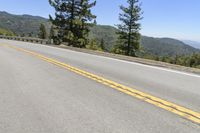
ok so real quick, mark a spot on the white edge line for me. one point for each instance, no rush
(129, 62)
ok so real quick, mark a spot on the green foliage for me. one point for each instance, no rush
(119, 49)
(22, 24)
(6, 32)
(54, 39)
(107, 33)
(30, 34)
(42, 32)
(73, 19)
(192, 61)
(94, 45)
(102, 44)
(129, 36)
(52, 33)
(187, 60)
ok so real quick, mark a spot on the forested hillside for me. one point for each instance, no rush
(21, 24)
(166, 47)
(6, 32)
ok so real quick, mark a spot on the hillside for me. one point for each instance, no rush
(25, 24)
(107, 33)
(150, 45)
(166, 46)
(21, 24)
(6, 32)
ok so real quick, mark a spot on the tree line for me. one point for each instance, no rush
(73, 19)
(186, 60)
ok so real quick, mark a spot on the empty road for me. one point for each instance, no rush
(40, 93)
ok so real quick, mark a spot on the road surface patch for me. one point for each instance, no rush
(169, 106)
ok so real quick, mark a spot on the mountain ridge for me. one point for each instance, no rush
(21, 24)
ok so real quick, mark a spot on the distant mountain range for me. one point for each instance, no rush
(194, 44)
(26, 24)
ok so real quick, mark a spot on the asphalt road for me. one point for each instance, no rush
(39, 97)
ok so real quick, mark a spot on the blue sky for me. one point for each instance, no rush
(162, 18)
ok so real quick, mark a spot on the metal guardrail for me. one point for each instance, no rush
(26, 39)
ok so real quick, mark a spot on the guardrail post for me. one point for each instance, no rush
(24, 39)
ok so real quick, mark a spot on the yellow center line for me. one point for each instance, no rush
(172, 107)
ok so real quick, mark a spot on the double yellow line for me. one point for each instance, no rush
(174, 108)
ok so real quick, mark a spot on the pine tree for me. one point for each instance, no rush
(51, 33)
(23, 35)
(102, 44)
(73, 19)
(42, 33)
(52, 36)
(129, 36)
(30, 34)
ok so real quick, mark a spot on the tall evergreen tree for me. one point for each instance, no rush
(42, 33)
(72, 19)
(51, 33)
(30, 34)
(52, 36)
(129, 36)
(102, 44)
